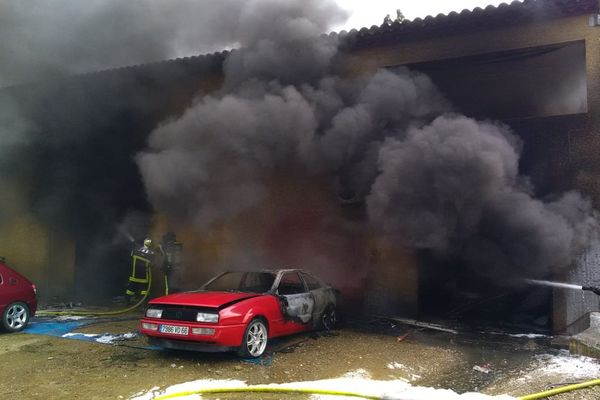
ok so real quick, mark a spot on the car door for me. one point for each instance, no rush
(297, 301)
(9, 287)
(3, 290)
(323, 295)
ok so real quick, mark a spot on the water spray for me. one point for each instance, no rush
(595, 290)
(126, 233)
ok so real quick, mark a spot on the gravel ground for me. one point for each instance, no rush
(45, 367)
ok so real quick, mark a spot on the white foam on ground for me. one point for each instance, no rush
(190, 386)
(411, 373)
(563, 367)
(518, 335)
(71, 317)
(109, 339)
(354, 381)
(90, 335)
(529, 335)
(105, 338)
(566, 365)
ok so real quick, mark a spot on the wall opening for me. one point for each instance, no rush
(449, 292)
(533, 82)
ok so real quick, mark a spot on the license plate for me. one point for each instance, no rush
(176, 330)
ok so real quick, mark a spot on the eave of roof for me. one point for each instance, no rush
(192, 63)
(467, 20)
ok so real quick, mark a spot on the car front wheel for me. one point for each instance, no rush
(328, 318)
(255, 339)
(15, 317)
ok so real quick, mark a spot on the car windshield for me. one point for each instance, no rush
(251, 282)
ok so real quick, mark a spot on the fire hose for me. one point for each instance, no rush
(595, 290)
(114, 312)
(266, 389)
(271, 389)
(559, 390)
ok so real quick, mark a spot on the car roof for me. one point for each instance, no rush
(271, 271)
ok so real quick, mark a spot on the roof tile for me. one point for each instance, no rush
(503, 14)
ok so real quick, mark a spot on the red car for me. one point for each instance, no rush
(241, 311)
(18, 300)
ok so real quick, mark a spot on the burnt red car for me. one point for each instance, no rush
(241, 311)
(18, 301)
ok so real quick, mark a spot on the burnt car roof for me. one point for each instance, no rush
(273, 271)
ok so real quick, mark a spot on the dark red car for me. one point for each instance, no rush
(18, 301)
(241, 311)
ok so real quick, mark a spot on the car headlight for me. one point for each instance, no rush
(154, 313)
(207, 317)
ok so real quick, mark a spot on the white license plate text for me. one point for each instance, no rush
(176, 330)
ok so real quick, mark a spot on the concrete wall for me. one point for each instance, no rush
(43, 255)
(74, 247)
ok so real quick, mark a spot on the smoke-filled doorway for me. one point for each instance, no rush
(450, 292)
(540, 92)
(522, 83)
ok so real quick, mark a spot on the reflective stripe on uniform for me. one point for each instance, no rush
(129, 292)
(142, 259)
(134, 268)
(138, 280)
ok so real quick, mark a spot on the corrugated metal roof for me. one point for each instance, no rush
(479, 18)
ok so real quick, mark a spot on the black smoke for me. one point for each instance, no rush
(453, 186)
(429, 177)
(71, 140)
(199, 166)
(45, 39)
(81, 143)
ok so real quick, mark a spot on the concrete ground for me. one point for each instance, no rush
(45, 367)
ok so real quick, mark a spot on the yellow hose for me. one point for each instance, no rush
(266, 389)
(115, 312)
(269, 389)
(559, 390)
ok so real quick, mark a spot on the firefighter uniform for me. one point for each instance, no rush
(141, 262)
(171, 251)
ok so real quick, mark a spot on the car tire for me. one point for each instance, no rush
(328, 318)
(15, 317)
(254, 341)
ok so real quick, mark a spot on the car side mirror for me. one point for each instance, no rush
(283, 300)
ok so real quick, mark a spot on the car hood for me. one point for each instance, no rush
(204, 299)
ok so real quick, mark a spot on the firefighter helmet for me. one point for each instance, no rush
(147, 242)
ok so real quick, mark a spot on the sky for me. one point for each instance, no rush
(372, 12)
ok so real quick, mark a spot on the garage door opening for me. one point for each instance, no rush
(451, 293)
(539, 81)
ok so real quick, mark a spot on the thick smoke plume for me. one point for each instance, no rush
(453, 186)
(201, 165)
(430, 177)
(43, 39)
(70, 141)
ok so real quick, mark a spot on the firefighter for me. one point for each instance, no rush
(171, 251)
(142, 259)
